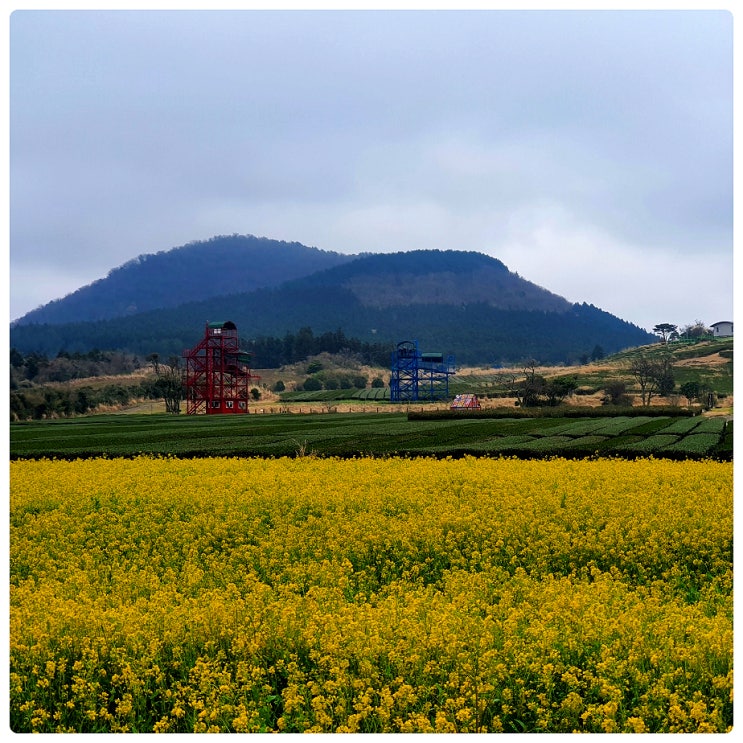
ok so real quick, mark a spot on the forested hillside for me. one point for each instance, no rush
(462, 303)
(193, 272)
(450, 277)
(474, 333)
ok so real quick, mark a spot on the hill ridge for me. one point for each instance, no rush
(171, 277)
(461, 302)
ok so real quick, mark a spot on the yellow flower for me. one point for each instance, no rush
(378, 595)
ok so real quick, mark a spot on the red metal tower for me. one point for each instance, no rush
(218, 372)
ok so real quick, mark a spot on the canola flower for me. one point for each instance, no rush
(370, 595)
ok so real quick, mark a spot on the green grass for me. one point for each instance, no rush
(368, 434)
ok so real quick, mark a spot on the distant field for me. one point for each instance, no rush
(371, 434)
(369, 394)
(709, 363)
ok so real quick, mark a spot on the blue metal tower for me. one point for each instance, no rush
(419, 376)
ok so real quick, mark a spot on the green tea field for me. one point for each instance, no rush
(372, 434)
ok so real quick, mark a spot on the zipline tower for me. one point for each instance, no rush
(217, 372)
(419, 376)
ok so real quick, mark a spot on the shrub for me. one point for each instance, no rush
(650, 444)
(616, 393)
(694, 444)
(711, 425)
(681, 426)
(618, 426)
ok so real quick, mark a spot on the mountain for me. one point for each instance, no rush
(458, 302)
(196, 271)
(424, 277)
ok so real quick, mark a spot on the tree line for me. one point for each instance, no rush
(652, 375)
(43, 387)
(271, 352)
(669, 332)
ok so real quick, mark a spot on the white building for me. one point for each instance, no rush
(722, 329)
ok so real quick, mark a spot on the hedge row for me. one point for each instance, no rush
(571, 411)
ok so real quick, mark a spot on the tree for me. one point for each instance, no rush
(666, 381)
(653, 374)
(557, 389)
(644, 374)
(16, 358)
(691, 391)
(154, 359)
(82, 401)
(32, 366)
(304, 343)
(345, 382)
(169, 383)
(312, 384)
(695, 331)
(598, 353)
(616, 393)
(666, 330)
(359, 381)
(534, 390)
(526, 391)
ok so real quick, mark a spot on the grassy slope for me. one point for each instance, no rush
(706, 361)
(701, 362)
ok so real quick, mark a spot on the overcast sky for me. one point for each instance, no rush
(590, 151)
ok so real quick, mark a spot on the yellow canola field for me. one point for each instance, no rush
(370, 595)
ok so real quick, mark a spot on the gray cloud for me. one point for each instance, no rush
(590, 151)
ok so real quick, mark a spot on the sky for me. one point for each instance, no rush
(590, 150)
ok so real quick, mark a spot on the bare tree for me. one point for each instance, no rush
(170, 382)
(527, 390)
(654, 375)
(154, 359)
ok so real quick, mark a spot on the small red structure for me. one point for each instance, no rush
(465, 402)
(218, 372)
